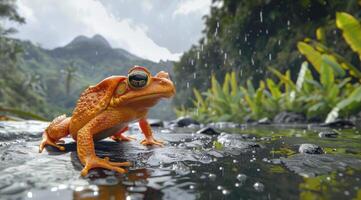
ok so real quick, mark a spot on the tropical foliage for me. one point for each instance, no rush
(248, 36)
(327, 90)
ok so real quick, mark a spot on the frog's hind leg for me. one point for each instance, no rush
(119, 136)
(85, 145)
(57, 129)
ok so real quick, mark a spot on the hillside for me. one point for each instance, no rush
(59, 75)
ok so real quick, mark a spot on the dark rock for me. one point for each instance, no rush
(208, 131)
(289, 117)
(340, 123)
(185, 121)
(310, 149)
(309, 165)
(155, 122)
(328, 134)
(356, 119)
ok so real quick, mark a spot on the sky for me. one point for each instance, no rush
(152, 29)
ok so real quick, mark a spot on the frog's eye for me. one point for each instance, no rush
(137, 79)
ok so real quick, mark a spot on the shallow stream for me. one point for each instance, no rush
(242, 162)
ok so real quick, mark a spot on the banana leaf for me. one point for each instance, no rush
(351, 30)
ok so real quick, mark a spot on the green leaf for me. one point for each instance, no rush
(284, 78)
(351, 30)
(321, 34)
(234, 87)
(311, 54)
(355, 96)
(331, 61)
(275, 90)
(326, 76)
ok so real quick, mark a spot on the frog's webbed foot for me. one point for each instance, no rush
(96, 162)
(151, 141)
(47, 141)
(121, 137)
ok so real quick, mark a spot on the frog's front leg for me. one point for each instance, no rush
(148, 134)
(85, 146)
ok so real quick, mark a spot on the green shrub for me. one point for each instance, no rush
(329, 90)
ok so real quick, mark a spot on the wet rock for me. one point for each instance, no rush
(241, 178)
(222, 125)
(155, 122)
(180, 168)
(340, 123)
(309, 165)
(356, 119)
(208, 131)
(12, 130)
(328, 134)
(235, 144)
(185, 121)
(259, 187)
(289, 117)
(264, 121)
(14, 189)
(310, 149)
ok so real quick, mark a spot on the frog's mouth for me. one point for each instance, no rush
(167, 94)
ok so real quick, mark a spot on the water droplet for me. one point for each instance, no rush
(237, 185)
(221, 168)
(258, 170)
(225, 192)
(235, 161)
(212, 176)
(259, 187)
(261, 16)
(242, 178)
(191, 187)
(193, 171)
(219, 187)
(29, 195)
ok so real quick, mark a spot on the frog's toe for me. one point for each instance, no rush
(123, 138)
(47, 141)
(119, 164)
(147, 142)
(105, 164)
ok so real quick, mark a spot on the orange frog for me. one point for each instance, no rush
(105, 110)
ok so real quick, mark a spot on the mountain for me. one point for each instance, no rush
(61, 74)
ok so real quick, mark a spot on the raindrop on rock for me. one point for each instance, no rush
(259, 187)
(242, 178)
(212, 176)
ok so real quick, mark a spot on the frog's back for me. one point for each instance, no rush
(93, 101)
